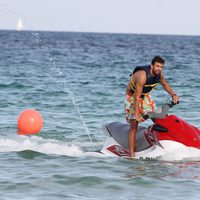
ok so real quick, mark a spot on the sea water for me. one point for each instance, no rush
(77, 82)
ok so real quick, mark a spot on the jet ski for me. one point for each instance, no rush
(168, 133)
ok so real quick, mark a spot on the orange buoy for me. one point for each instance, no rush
(29, 122)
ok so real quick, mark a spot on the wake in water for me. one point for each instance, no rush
(38, 144)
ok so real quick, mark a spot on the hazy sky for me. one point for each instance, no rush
(122, 16)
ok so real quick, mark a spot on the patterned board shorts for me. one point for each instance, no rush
(146, 105)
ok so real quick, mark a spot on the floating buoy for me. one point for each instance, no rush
(29, 122)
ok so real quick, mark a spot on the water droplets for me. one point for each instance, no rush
(61, 78)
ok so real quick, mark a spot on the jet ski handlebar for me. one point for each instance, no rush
(162, 114)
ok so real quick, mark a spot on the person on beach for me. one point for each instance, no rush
(137, 99)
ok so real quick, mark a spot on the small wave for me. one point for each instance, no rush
(14, 85)
(38, 144)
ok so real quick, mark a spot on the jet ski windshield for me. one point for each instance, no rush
(162, 114)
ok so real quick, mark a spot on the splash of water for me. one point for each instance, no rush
(43, 46)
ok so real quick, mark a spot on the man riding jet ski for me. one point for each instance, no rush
(166, 134)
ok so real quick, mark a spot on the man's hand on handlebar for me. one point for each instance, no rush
(175, 98)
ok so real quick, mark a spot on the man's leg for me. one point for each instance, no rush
(132, 132)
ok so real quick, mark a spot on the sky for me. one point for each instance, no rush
(179, 17)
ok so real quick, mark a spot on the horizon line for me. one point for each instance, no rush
(102, 32)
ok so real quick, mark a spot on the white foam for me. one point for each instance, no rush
(38, 144)
(182, 154)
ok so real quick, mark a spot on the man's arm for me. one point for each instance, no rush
(167, 87)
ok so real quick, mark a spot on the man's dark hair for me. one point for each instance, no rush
(158, 59)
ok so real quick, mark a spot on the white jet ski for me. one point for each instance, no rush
(167, 134)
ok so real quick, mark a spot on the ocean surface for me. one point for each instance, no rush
(77, 82)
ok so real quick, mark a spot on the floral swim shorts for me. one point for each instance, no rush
(146, 105)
